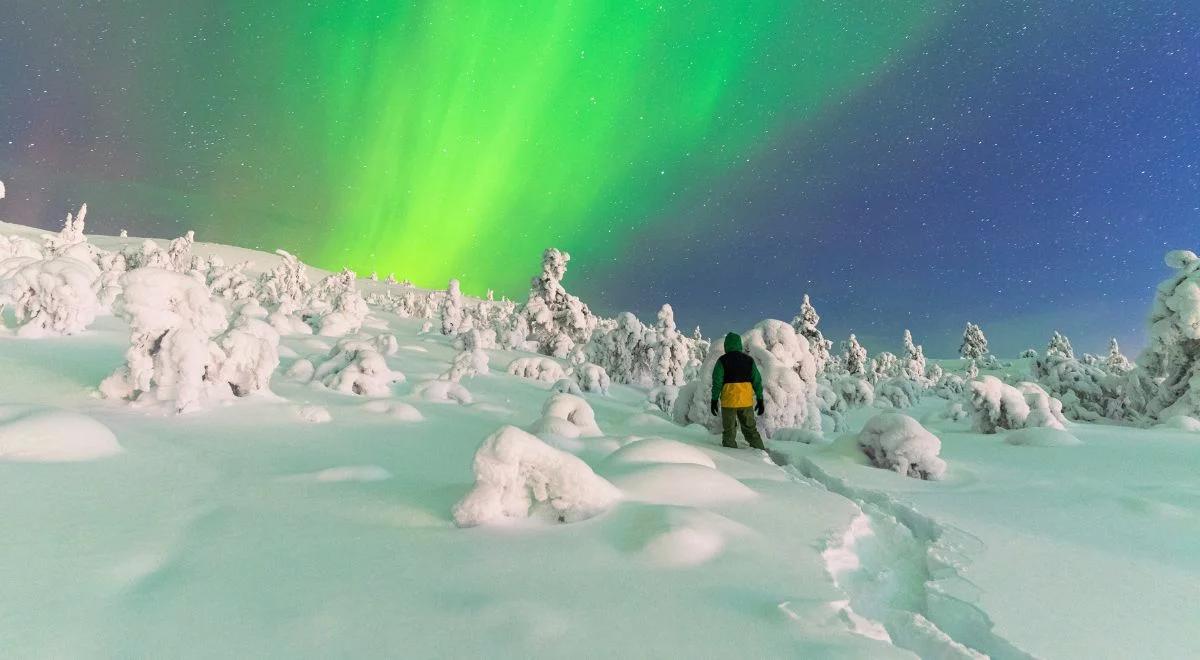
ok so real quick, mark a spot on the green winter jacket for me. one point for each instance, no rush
(736, 381)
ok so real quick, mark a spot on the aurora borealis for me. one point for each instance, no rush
(910, 164)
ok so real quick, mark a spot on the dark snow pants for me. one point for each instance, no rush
(731, 419)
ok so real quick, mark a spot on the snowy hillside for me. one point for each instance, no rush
(204, 459)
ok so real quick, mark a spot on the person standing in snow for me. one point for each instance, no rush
(738, 394)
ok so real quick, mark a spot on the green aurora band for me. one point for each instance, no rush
(461, 138)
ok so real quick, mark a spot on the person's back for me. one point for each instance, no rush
(737, 393)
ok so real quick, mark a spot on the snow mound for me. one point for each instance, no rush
(681, 483)
(353, 473)
(1182, 423)
(48, 435)
(314, 414)
(801, 435)
(443, 391)
(675, 537)
(660, 450)
(1042, 437)
(568, 416)
(517, 475)
(397, 410)
(537, 368)
(897, 442)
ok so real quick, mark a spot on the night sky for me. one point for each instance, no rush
(909, 164)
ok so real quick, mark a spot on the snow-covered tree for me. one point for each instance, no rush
(1029, 353)
(855, 357)
(558, 321)
(451, 310)
(972, 370)
(1060, 346)
(340, 309)
(172, 357)
(1116, 362)
(671, 352)
(974, 344)
(626, 350)
(471, 361)
(883, 366)
(285, 287)
(230, 282)
(355, 365)
(805, 324)
(71, 235)
(53, 296)
(914, 360)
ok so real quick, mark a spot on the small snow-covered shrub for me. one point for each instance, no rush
(52, 296)
(897, 442)
(443, 391)
(516, 474)
(250, 354)
(314, 414)
(285, 288)
(853, 391)
(566, 386)
(230, 282)
(355, 366)
(1044, 410)
(997, 405)
(342, 308)
(567, 416)
(900, 392)
(471, 362)
(537, 368)
(592, 378)
(950, 386)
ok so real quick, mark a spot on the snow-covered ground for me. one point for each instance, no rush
(303, 522)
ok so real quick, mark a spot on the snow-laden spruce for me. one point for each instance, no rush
(1166, 383)
(451, 310)
(974, 343)
(805, 324)
(517, 475)
(854, 357)
(558, 321)
(897, 442)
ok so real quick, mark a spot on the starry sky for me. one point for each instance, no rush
(909, 164)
